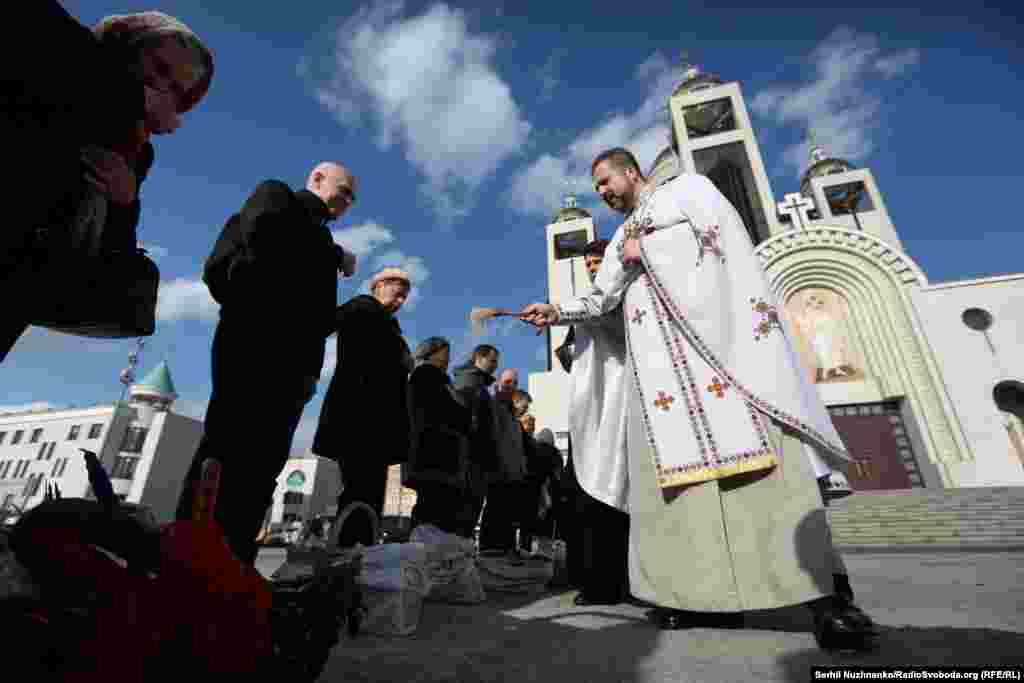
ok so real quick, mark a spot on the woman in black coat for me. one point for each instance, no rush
(364, 422)
(80, 107)
(439, 467)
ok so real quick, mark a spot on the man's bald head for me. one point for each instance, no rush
(508, 382)
(335, 185)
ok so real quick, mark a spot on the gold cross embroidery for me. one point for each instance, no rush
(718, 387)
(664, 401)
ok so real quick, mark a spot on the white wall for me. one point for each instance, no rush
(164, 462)
(971, 370)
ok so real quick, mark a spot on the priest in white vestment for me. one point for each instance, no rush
(726, 515)
(597, 421)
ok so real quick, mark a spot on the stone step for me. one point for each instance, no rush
(954, 518)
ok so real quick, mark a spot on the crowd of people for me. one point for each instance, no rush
(696, 439)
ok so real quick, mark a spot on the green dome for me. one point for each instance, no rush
(158, 380)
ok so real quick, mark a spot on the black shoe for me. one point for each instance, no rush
(844, 591)
(843, 627)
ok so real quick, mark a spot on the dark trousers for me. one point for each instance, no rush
(604, 537)
(445, 507)
(365, 480)
(250, 421)
(502, 515)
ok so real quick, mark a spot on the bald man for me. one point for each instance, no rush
(274, 273)
(503, 511)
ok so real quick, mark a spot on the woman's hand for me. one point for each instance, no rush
(109, 173)
(161, 111)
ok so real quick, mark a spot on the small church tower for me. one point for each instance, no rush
(154, 394)
(844, 196)
(712, 135)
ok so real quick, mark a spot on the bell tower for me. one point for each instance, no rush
(712, 135)
(571, 229)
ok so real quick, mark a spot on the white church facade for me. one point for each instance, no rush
(924, 381)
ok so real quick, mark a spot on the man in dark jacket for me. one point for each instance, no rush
(274, 272)
(364, 421)
(471, 381)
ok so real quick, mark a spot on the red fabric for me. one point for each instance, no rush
(205, 614)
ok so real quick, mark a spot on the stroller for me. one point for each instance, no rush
(114, 595)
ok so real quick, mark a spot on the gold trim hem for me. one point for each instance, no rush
(761, 462)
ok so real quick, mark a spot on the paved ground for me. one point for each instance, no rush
(953, 609)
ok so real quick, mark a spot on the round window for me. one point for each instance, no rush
(977, 319)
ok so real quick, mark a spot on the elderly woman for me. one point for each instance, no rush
(364, 422)
(78, 116)
(439, 465)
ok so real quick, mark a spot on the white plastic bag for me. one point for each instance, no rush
(450, 566)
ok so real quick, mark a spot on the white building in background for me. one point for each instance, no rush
(306, 488)
(145, 448)
(924, 381)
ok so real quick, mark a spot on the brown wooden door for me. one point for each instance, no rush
(874, 436)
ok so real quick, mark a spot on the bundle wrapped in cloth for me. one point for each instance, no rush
(450, 566)
(514, 573)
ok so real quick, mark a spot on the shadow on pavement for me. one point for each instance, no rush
(508, 638)
(914, 646)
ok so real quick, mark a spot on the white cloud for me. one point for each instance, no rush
(185, 299)
(537, 188)
(655, 64)
(428, 84)
(415, 266)
(898, 64)
(155, 251)
(363, 238)
(30, 407)
(837, 103)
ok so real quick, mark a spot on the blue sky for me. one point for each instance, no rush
(463, 121)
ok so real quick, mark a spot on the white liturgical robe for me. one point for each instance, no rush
(598, 410)
(710, 356)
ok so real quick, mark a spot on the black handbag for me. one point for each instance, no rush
(87, 289)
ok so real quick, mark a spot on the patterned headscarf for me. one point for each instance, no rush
(131, 29)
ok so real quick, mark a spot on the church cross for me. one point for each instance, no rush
(797, 207)
(664, 401)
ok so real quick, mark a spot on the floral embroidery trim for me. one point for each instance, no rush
(684, 380)
(769, 318)
(707, 242)
(717, 387)
(702, 347)
(664, 401)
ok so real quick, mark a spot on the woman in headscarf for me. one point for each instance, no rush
(438, 467)
(80, 108)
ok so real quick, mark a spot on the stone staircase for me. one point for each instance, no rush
(984, 519)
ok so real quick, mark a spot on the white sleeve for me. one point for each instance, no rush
(609, 288)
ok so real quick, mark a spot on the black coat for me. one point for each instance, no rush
(274, 270)
(471, 389)
(365, 412)
(439, 450)
(61, 90)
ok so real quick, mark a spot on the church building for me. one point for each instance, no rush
(923, 380)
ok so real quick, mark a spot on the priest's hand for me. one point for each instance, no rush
(631, 252)
(539, 315)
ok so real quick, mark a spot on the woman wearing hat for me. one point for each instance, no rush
(364, 422)
(80, 107)
(439, 466)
